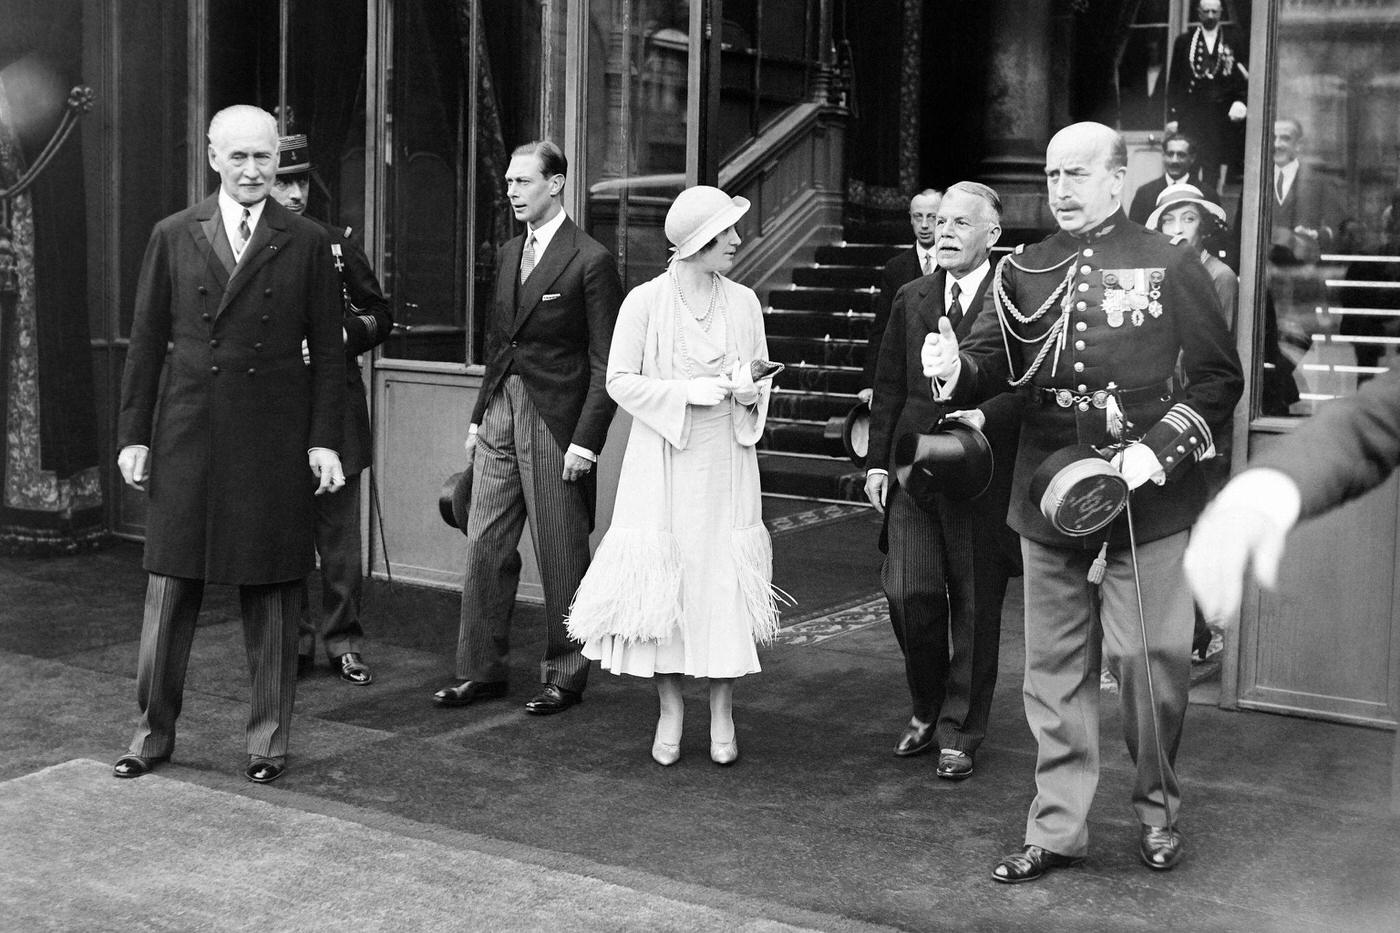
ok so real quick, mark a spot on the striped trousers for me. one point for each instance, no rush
(270, 613)
(517, 475)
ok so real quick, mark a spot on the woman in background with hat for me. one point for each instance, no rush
(681, 583)
(1182, 210)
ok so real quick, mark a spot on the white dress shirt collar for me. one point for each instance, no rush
(967, 285)
(545, 232)
(927, 260)
(1289, 173)
(232, 214)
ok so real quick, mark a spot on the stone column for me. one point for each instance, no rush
(1018, 104)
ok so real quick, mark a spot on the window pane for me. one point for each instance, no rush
(637, 98)
(1331, 315)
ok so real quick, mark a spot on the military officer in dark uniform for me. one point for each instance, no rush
(365, 323)
(1103, 304)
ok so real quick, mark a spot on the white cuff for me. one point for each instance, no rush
(583, 452)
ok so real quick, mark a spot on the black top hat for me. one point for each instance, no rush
(855, 434)
(1077, 490)
(455, 500)
(295, 155)
(953, 459)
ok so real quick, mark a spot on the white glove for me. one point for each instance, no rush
(1246, 525)
(325, 466)
(865, 395)
(133, 461)
(741, 384)
(1138, 464)
(706, 391)
(939, 355)
(1238, 111)
(972, 416)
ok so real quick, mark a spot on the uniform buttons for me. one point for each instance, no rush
(1180, 449)
(1079, 345)
(202, 290)
(266, 318)
(514, 344)
(257, 346)
(1082, 388)
(214, 370)
(1083, 286)
(1171, 459)
(1083, 406)
(213, 343)
(267, 291)
(1081, 306)
(1088, 252)
(205, 315)
(1085, 270)
(1193, 440)
(1081, 326)
(251, 370)
(1079, 367)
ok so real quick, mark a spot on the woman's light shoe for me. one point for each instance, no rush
(665, 755)
(724, 753)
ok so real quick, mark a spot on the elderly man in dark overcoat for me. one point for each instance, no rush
(1092, 324)
(228, 291)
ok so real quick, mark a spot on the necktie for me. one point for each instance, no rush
(928, 264)
(527, 259)
(954, 305)
(1278, 184)
(244, 234)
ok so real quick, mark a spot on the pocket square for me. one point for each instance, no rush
(551, 297)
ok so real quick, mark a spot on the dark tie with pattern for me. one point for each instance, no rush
(1278, 185)
(527, 259)
(954, 305)
(928, 264)
(244, 234)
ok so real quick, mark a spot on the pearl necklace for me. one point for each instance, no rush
(706, 319)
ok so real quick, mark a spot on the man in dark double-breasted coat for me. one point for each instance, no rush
(236, 439)
(949, 560)
(1092, 325)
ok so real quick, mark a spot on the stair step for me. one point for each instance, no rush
(823, 276)
(858, 254)
(780, 322)
(809, 406)
(817, 351)
(814, 477)
(804, 376)
(824, 299)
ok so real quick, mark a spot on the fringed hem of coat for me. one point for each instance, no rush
(632, 589)
(753, 559)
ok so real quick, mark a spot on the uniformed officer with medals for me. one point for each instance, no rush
(1090, 325)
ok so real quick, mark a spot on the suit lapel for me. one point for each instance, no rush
(556, 256)
(930, 303)
(268, 238)
(974, 307)
(205, 230)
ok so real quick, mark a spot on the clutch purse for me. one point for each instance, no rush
(764, 369)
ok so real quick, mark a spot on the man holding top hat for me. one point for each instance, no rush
(949, 560)
(365, 323)
(1089, 326)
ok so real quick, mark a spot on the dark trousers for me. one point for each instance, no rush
(338, 545)
(945, 581)
(517, 475)
(1062, 680)
(167, 631)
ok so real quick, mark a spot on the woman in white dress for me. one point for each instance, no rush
(681, 583)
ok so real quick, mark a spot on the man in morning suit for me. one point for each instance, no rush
(903, 268)
(1206, 89)
(233, 286)
(1179, 168)
(1102, 306)
(539, 423)
(948, 563)
(365, 323)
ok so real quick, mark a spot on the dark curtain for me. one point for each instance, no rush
(493, 153)
(1100, 36)
(327, 104)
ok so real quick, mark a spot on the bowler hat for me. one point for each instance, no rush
(953, 459)
(698, 215)
(294, 155)
(1077, 490)
(455, 499)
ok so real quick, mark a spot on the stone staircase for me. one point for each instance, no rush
(818, 327)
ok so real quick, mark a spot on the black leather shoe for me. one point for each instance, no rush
(1029, 864)
(263, 771)
(133, 766)
(552, 699)
(1161, 847)
(954, 765)
(305, 665)
(915, 741)
(469, 692)
(353, 669)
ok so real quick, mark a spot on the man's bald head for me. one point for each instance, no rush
(1085, 165)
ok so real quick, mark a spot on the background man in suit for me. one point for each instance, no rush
(234, 285)
(1206, 90)
(540, 421)
(365, 324)
(902, 268)
(945, 576)
(1307, 205)
(1103, 304)
(1179, 168)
